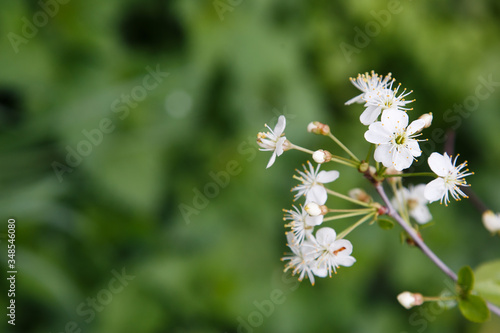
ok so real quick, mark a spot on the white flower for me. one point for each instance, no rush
(302, 224)
(383, 99)
(413, 198)
(302, 258)
(331, 253)
(450, 177)
(491, 221)
(409, 300)
(312, 183)
(395, 141)
(274, 141)
(368, 84)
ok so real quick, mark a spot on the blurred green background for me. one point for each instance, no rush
(233, 65)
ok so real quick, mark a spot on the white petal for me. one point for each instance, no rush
(344, 246)
(347, 261)
(435, 190)
(414, 147)
(325, 236)
(279, 146)
(383, 154)
(280, 126)
(377, 133)
(325, 177)
(415, 126)
(418, 193)
(314, 220)
(402, 159)
(320, 271)
(395, 120)
(370, 115)
(421, 214)
(357, 99)
(439, 164)
(317, 194)
(271, 160)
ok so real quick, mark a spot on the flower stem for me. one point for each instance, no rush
(350, 210)
(437, 299)
(341, 160)
(341, 145)
(343, 216)
(354, 226)
(345, 197)
(421, 244)
(305, 150)
(370, 153)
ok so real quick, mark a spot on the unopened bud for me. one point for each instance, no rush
(427, 118)
(322, 156)
(491, 221)
(363, 167)
(318, 128)
(360, 195)
(313, 209)
(409, 300)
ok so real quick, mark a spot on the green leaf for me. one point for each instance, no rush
(385, 224)
(474, 309)
(488, 281)
(465, 280)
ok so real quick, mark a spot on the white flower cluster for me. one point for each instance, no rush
(318, 253)
(395, 141)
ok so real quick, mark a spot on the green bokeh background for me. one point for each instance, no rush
(229, 73)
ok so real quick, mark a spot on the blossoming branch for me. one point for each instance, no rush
(317, 250)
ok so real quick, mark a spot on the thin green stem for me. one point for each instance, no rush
(341, 145)
(345, 197)
(437, 299)
(415, 174)
(354, 226)
(305, 150)
(350, 210)
(370, 153)
(342, 216)
(345, 162)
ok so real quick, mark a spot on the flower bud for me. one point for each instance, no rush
(491, 221)
(427, 118)
(318, 128)
(360, 195)
(409, 300)
(313, 209)
(322, 156)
